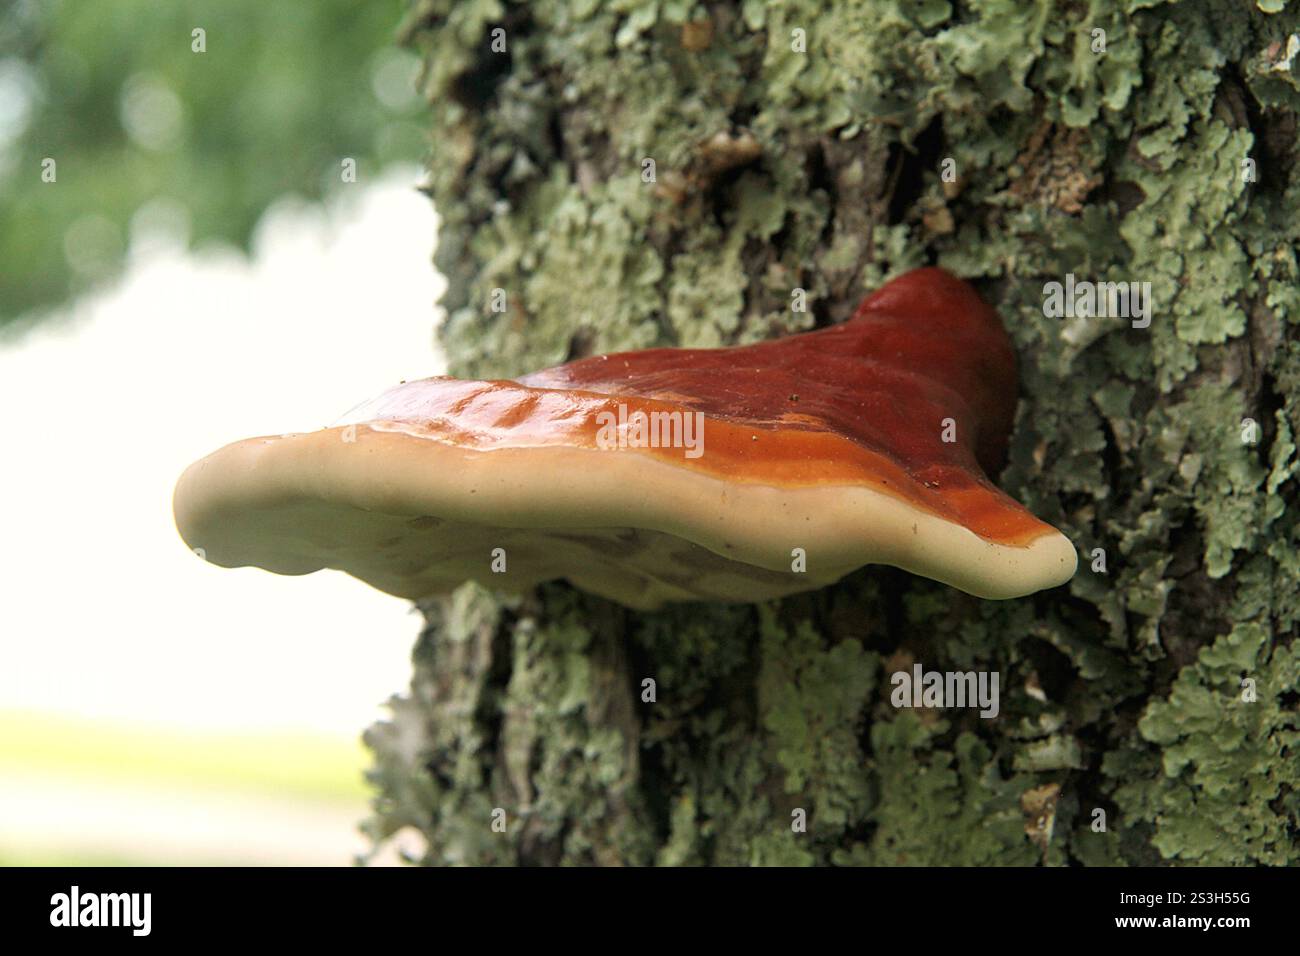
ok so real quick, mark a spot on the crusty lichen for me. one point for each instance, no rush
(1123, 736)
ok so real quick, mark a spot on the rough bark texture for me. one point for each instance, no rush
(821, 170)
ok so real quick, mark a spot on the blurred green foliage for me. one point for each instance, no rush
(147, 131)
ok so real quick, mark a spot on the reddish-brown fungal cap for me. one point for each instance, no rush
(865, 442)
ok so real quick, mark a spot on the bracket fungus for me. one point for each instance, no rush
(731, 474)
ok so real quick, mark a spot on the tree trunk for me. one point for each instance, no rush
(1149, 708)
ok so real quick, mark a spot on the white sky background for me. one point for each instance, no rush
(106, 613)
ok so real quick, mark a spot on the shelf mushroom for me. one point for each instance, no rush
(730, 474)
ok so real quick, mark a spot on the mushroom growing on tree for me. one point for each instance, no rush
(730, 474)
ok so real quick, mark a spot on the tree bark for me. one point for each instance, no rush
(1148, 709)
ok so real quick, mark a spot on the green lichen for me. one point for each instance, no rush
(1228, 786)
(956, 809)
(1169, 158)
(812, 700)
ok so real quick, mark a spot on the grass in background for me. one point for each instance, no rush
(293, 765)
(275, 797)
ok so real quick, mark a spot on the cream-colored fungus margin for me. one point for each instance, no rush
(415, 516)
